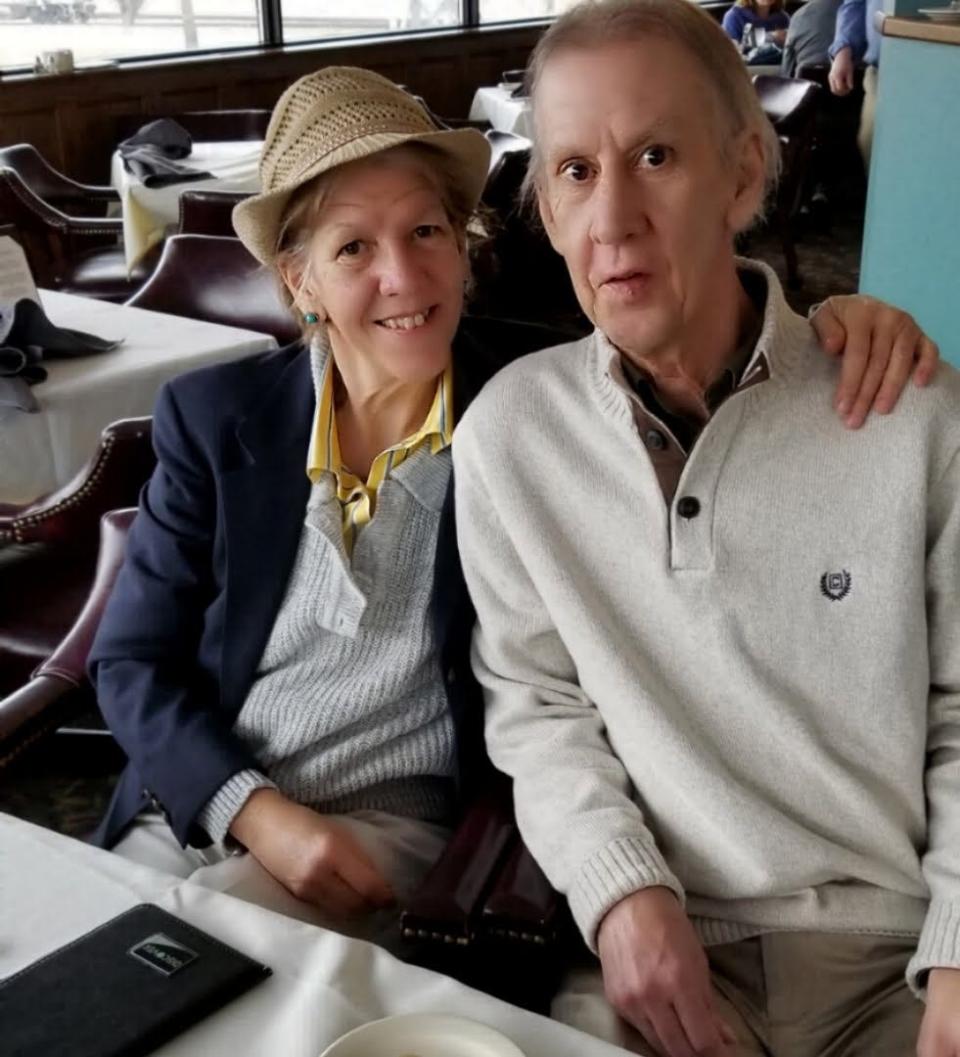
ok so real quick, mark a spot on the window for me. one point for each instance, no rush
(99, 30)
(318, 19)
(514, 10)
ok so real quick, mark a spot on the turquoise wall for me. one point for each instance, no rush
(911, 247)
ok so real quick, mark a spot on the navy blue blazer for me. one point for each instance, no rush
(207, 563)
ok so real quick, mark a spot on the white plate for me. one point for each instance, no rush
(941, 14)
(423, 1035)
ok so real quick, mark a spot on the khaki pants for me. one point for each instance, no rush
(403, 849)
(868, 115)
(787, 994)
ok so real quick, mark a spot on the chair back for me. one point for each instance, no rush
(208, 126)
(216, 279)
(791, 105)
(208, 213)
(519, 275)
(69, 660)
(51, 239)
(67, 195)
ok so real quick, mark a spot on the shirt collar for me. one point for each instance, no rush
(323, 454)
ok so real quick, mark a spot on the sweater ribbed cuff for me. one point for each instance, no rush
(623, 867)
(224, 806)
(939, 944)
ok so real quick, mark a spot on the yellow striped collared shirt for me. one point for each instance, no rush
(358, 498)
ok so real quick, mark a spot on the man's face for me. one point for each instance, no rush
(634, 191)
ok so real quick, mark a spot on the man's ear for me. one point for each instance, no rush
(750, 182)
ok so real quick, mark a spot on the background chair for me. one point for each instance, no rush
(208, 213)
(209, 126)
(48, 548)
(791, 106)
(218, 280)
(75, 199)
(519, 275)
(77, 255)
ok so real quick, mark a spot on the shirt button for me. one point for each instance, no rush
(688, 506)
(656, 441)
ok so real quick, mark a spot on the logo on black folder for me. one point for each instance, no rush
(163, 954)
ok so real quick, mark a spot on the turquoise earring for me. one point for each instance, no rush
(311, 317)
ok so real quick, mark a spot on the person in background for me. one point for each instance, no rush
(809, 36)
(767, 15)
(717, 634)
(857, 42)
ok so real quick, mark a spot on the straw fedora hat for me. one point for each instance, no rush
(336, 115)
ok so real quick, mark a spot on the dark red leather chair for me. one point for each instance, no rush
(69, 196)
(210, 126)
(59, 690)
(791, 106)
(208, 213)
(78, 255)
(217, 279)
(48, 549)
(519, 275)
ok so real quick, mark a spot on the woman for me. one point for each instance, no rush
(285, 656)
(767, 15)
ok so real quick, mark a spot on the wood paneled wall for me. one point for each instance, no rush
(72, 119)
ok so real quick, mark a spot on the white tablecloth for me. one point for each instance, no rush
(149, 211)
(53, 889)
(503, 112)
(43, 450)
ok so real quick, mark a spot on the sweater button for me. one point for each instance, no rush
(656, 441)
(688, 507)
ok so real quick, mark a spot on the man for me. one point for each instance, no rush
(809, 35)
(716, 631)
(857, 39)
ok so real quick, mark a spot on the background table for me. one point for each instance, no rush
(149, 211)
(54, 889)
(502, 111)
(42, 450)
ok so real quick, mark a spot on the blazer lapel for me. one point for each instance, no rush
(265, 499)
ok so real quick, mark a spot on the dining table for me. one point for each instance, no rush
(42, 450)
(149, 213)
(54, 889)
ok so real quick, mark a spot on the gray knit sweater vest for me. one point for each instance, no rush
(348, 709)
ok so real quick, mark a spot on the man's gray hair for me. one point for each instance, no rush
(594, 23)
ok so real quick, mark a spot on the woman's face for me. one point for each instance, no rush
(387, 269)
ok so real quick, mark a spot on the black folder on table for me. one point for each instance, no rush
(121, 990)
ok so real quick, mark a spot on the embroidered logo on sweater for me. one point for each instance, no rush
(835, 586)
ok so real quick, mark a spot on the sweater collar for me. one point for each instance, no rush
(776, 348)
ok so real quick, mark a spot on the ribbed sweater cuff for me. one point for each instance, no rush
(224, 806)
(938, 946)
(621, 868)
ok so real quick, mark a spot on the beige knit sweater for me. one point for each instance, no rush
(758, 706)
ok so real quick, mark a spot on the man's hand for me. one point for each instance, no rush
(656, 976)
(315, 859)
(841, 72)
(880, 346)
(940, 1030)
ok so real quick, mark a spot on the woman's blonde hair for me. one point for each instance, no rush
(593, 23)
(298, 223)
